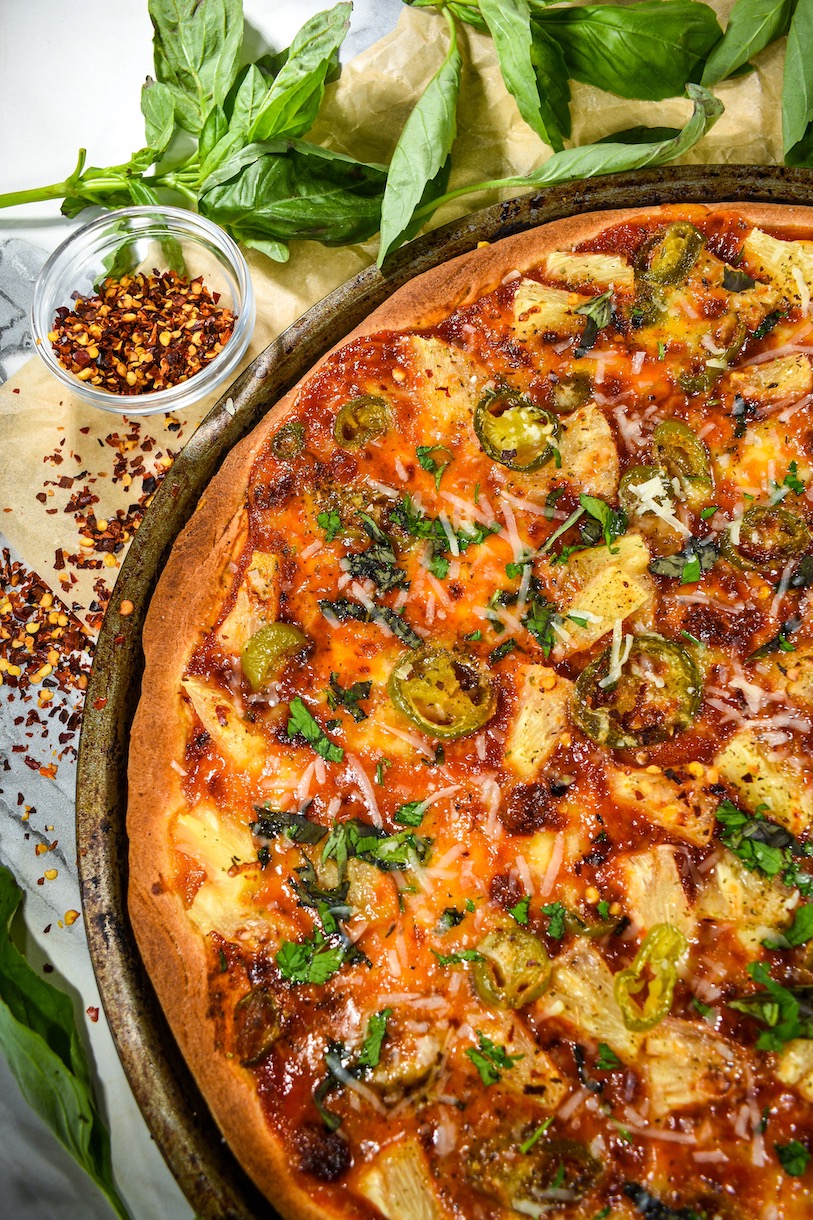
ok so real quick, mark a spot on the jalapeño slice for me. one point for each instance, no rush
(514, 970)
(668, 257)
(770, 536)
(661, 951)
(656, 525)
(684, 457)
(570, 392)
(447, 694)
(264, 653)
(288, 441)
(361, 420)
(656, 696)
(515, 431)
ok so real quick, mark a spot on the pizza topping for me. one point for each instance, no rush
(662, 949)
(657, 694)
(512, 968)
(362, 420)
(446, 694)
(267, 650)
(515, 431)
(256, 1026)
(767, 538)
(686, 459)
(668, 256)
(288, 441)
(546, 1178)
(647, 494)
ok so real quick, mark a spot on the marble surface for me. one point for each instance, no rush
(70, 74)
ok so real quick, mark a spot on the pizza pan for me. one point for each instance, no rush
(172, 1105)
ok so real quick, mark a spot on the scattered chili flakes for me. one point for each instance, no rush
(142, 332)
(93, 1013)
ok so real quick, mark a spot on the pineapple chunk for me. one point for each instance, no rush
(681, 805)
(593, 271)
(449, 383)
(589, 458)
(582, 993)
(756, 905)
(539, 310)
(765, 776)
(602, 586)
(215, 709)
(785, 379)
(534, 1076)
(398, 1183)
(215, 843)
(794, 1066)
(688, 1064)
(781, 262)
(539, 722)
(257, 603)
(653, 891)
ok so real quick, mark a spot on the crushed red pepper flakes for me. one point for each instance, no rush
(142, 333)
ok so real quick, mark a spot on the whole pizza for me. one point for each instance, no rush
(470, 786)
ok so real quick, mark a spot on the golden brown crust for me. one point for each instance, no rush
(184, 600)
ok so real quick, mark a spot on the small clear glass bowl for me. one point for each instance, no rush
(151, 236)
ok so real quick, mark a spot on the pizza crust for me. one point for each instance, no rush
(185, 600)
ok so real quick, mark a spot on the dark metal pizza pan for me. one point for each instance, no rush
(175, 1112)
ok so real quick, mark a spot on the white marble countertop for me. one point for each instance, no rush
(70, 75)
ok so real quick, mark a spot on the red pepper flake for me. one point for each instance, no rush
(93, 1013)
(99, 704)
(142, 333)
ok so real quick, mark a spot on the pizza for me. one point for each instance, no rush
(470, 785)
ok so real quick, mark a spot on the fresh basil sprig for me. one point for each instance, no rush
(40, 1040)
(752, 26)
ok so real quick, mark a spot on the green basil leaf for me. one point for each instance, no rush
(752, 26)
(277, 250)
(40, 1040)
(552, 80)
(197, 49)
(158, 108)
(281, 190)
(291, 104)
(246, 104)
(509, 23)
(645, 50)
(214, 129)
(797, 83)
(640, 135)
(593, 159)
(422, 149)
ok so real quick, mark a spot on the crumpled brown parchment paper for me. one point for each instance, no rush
(56, 452)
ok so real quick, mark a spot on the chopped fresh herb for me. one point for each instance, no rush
(514, 571)
(439, 566)
(390, 853)
(469, 904)
(431, 464)
(736, 281)
(379, 562)
(455, 959)
(792, 480)
(521, 910)
(301, 722)
(491, 1060)
(661, 350)
(647, 1204)
(380, 769)
(704, 1009)
(502, 650)
(557, 915)
(604, 1213)
(558, 1178)
(603, 908)
(474, 636)
(551, 499)
(331, 523)
(765, 846)
(793, 1158)
(418, 524)
(799, 932)
(399, 627)
(741, 411)
(578, 619)
(687, 635)
(787, 1013)
(476, 493)
(607, 1060)
(539, 621)
(450, 918)
(274, 822)
(772, 320)
(802, 578)
(376, 1033)
(410, 814)
(223, 962)
(562, 529)
(778, 642)
(311, 961)
(585, 1080)
(536, 1136)
(438, 760)
(698, 556)
(348, 697)
(343, 610)
(613, 521)
(707, 513)
(599, 312)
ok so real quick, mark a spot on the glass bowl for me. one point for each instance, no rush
(141, 239)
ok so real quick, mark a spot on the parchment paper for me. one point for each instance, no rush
(363, 115)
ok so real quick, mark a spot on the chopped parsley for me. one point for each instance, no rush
(792, 480)
(370, 1053)
(557, 915)
(536, 1136)
(787, 1013)
(301, 722)
(311, 961)
(410, 814)
(455, 959)
(427, 462)
(439, 566)
(521, 911)
(380, 769)
(348, 697)
(603, 908)
(491, 1060)
(707, 513)
(799, 932)
(502, 650)
(607, 1060)
(793, 1158)
(765, 846)
(514, 571)
(419, 524)
(331, 523)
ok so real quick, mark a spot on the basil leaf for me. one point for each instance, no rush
(41, 1042)
(787, 1013)
(197, 49)
(509, 23)
(553, 85)
(752, 26)
(797, 82)
(640, 135)
(411, 814)
(290, 189)
(698, 556)
(274, 822)
(158, 108)
(310, 961)
(736, 281)
(399, 627)
(652, 1208)
(292, 103)
(422, 149)
(491, 1059)
(607, 1060)
(793, 1157)
(455, 959)
(799, 932)
(348, 697)
(214, 129)
(646, 50)
(301, 722)
(376, 1033)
